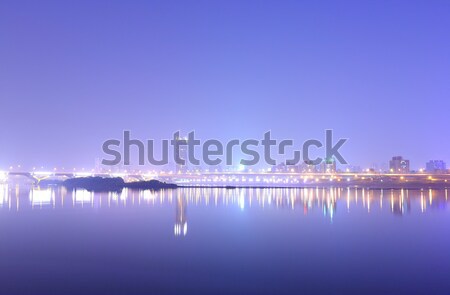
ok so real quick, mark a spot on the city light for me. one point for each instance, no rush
(3, 175)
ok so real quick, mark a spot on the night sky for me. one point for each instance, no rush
(76, 73)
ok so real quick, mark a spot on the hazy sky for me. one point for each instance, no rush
(75, 73)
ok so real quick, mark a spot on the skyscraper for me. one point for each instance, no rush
(436, 166)
(181, 150)
(399, 165)
(328, 166)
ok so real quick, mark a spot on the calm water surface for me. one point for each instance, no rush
(219, 241)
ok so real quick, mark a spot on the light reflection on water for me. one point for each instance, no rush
(305, 200)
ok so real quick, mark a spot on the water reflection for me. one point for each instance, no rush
(42, 197)
(327, 201)
(180, 227)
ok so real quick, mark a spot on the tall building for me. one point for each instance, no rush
(181, 149)
(282, 167)
(399, 165)
(98, 165)
(328, 166)
(352, 168)
(307, 167)
(436, 166)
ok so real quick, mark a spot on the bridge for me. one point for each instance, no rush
(233, 178)
(37, 176)
(303, 179)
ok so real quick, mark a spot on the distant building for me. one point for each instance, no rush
(307, 167)
(282, 167)
(354, 169)
(436, 166)
(215, 168)
(399, 165)
(182, 151)
(97, 165)
(328, 166)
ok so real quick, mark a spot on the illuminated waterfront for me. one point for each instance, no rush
(267, 240)
(18, 197)
(249, 178)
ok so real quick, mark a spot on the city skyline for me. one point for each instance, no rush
(432, 166)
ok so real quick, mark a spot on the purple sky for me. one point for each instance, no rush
(75, 73)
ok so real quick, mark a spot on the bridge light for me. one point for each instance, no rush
(3, 175)
(42, 173)
(82, 174)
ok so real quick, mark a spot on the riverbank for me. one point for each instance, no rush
(114, 184)
(117, 184)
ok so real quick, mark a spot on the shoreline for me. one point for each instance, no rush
(322, 186)
(118, 184)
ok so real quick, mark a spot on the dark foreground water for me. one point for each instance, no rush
(218, 241)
